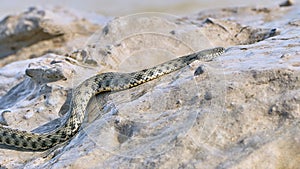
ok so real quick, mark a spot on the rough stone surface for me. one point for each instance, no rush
(36, 32)
(241, 110)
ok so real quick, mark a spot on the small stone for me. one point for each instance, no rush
(208, 95)
(199, 71)
(28, 115)
(285, 56)
(273, 109)
(40, 109)
(286, 3)
(173, 32)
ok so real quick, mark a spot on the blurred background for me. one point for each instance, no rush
(121, 7)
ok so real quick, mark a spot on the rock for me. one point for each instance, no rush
(24, 30)
(242, 111)
(36, 32)
(287, 3)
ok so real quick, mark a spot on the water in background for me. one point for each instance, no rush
(120, 7)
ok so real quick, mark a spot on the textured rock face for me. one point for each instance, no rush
(241, 110)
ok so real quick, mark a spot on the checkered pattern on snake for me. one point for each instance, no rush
(99, 83)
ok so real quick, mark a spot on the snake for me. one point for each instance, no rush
(99, 83)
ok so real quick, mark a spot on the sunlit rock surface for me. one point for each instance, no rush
(241, 110)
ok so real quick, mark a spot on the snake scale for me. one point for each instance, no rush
(105, 82)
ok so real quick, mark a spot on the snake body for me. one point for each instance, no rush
(105, 82)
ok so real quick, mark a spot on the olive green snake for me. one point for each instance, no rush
(105, 82)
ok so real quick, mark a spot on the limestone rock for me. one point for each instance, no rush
(242, 110)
